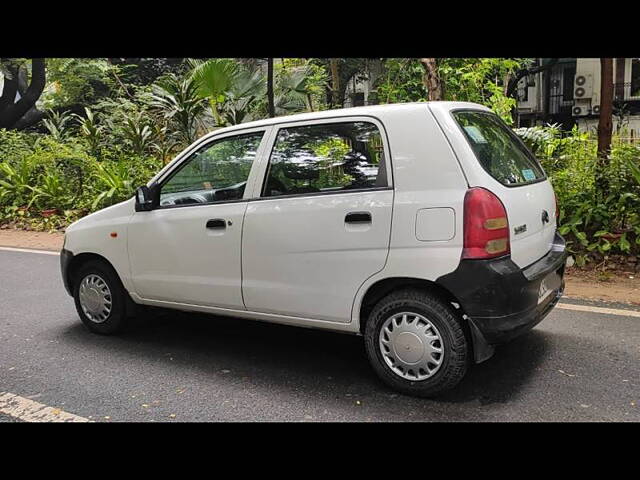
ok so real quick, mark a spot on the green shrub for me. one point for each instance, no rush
(14, 145)
(595, 225)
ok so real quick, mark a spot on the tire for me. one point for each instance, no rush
(438, 320)
(101, 323)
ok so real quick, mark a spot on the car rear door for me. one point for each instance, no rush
(320, 223)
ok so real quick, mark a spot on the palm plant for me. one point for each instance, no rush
(15, 182)
(90, 129)
(165, 142)
(56, 124)
(179, 102)
(114, 182)
(137, 133)
(213, 79)
(246, 89)
(51, 192)
(293, 92)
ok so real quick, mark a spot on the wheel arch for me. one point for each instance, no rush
(81, 259)
(480, 349)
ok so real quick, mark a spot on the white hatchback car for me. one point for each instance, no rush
(429, 228)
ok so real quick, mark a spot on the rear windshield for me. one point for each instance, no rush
(498, 149)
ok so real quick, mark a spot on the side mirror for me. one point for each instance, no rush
(144, 199)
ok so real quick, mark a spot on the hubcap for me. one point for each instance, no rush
(411, 346)
(95, 298)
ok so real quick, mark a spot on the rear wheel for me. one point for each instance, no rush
(100, 298)
(416, 343)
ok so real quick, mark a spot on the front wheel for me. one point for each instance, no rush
(100, 298)
(416, 343)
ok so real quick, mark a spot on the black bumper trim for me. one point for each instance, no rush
(500, 298)
(65, 259)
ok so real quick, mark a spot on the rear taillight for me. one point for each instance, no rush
(486, 228)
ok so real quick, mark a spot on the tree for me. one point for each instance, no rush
(478, 80)
(11, 111)
(432, 79)
(335, 83)
(605, 123)
(272, 108)
(212, 79)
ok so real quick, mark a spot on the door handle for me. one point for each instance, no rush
(358, 217)
(216, 223)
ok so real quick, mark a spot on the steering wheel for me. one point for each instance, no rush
(187, 199)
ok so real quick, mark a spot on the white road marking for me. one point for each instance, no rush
(607, 311)
(26, 250)
(30, 411)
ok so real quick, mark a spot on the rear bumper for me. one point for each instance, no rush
(502, 299)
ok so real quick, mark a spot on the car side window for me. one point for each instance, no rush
(329, 157)
(216, 172)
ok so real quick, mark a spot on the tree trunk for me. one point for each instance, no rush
(9, 90)
(605, 122)
(335, 82)
(13, 112)
(431, 79)
(272, 109)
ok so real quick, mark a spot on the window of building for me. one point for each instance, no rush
(635, 77)
(568, 76)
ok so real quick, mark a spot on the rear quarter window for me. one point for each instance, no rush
(499, 151)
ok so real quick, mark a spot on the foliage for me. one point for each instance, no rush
(57, 124)
(479, 80)
(135, 114)
(51, 192)
(178, 101)
(15, 144)
(114, 182)
(77, 81)
(308, 80)
(247, 87)
(213, 79)
(15, 182)
(594, 225)
(401, 81)
(145, 71)
(90, 130)
(138, 133)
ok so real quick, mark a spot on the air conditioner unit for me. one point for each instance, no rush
(583, 86)
(579, 111)
(595, 109)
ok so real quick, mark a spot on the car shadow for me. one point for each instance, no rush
(500, 378)
(308, 361)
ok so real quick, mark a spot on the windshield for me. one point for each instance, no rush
(498, 149)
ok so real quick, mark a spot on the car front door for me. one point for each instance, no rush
(321, 225)
(187, 249)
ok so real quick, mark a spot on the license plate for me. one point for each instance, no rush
(548, 285)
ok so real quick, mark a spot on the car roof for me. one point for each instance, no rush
(378, 111)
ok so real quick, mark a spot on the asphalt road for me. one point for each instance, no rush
(574, 366)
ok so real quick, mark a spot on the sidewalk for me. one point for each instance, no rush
(616, 289)
(33, 240)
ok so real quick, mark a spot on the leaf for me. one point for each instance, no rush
(624, 244)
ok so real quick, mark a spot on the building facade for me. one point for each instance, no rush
(568, 93)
